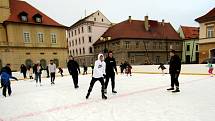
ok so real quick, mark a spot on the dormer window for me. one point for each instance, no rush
(37, 18)
(23, 16)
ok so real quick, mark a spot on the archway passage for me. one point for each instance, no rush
(28, 63)
(43, 63)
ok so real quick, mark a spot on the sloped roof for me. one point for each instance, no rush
(17, 7)
(190, 32)
(210, 16)
(136, 30)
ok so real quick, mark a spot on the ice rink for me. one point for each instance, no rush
(140, 97)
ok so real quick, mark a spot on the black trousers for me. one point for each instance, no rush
(24, 75)
(5, 87)
(52, 77)
(174, 79)
(112, 76)
(101, 80)
(75, 78)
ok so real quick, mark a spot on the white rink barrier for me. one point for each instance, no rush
(196, 69)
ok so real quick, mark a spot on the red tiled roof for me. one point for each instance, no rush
(136, 30)
(16, 7)
(207, 17)
(190, 32)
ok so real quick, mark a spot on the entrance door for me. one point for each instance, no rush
(187, 58)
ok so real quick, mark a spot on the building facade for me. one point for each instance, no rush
(28, 35)
(207, 35)
(83, 34)
(140, 42)
(190, 37)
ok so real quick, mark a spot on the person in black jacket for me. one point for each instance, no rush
(174, 70)
(23, 69)
(37, 70)
(74, 70)
(110, 67)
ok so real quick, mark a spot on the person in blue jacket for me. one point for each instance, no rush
(5, 82)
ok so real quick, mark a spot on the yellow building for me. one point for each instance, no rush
(28, 35)
(207, 36)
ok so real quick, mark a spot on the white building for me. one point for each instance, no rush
(83, 34)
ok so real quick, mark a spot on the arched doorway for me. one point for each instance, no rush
(43, 63)
(56, 61)
(28, 62)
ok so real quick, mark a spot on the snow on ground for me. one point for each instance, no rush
(140, 97)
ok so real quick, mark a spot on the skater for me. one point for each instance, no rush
(37, 70)
(128, 69)
(85, 69)
(210, 68)
(98, 74)
(30, 72)
(174, 70)
(23, 70)
(74, 70)
(122, 68)
(110, 67)
(60, 71)
(5, 82)
(52, 70)
(162, 67)
(92, 67)
(47, 71)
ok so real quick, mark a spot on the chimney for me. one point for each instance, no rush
(129, 19)
(146, 23)
(163, 22)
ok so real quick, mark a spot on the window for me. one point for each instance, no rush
(69, 34)
(75, 32)
(137, 44)
(79, 41)
(98, 14)
(53, 38)
(73, 51)
(154, 45)
(126, 45)
(90, 39)
(38, 19)
(76, 51)
(79, 31)
(197, 47)
(188, 47)
(210, 31)
(82, 29)
(83, 51)
(24, 18)
(91, 50)
(89, 29)
(83, 40)
(94, 19)
(72, 42)
(76, 42)
(102, 20)
(26, 37)
(72, 33)
(80, 51)
(160, 45)
(40, 37)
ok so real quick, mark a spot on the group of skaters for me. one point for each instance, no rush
(103, 70)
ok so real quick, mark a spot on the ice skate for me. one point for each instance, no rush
(170, 88)
(114, 92)
(104, 97)
(177, 90)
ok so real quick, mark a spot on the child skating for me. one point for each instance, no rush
(162, 67)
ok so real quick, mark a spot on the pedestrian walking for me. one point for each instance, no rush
(37, 70)
(30, 72)
(23, 70)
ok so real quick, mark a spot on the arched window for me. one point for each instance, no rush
(56, 61)
(28, 62)
(37, 18)
(43, 63)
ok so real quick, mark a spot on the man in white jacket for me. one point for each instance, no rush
(98, 74)
(52, 70)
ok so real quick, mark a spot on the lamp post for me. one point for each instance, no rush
(104, 39)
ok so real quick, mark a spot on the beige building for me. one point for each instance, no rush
(28, 35)
(207, 36)
(140, 42)
(83, 34)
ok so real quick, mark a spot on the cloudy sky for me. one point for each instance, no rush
(177, 12)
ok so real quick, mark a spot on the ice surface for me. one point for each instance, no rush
(140, 97)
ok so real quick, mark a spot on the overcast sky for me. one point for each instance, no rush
(177, 12)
